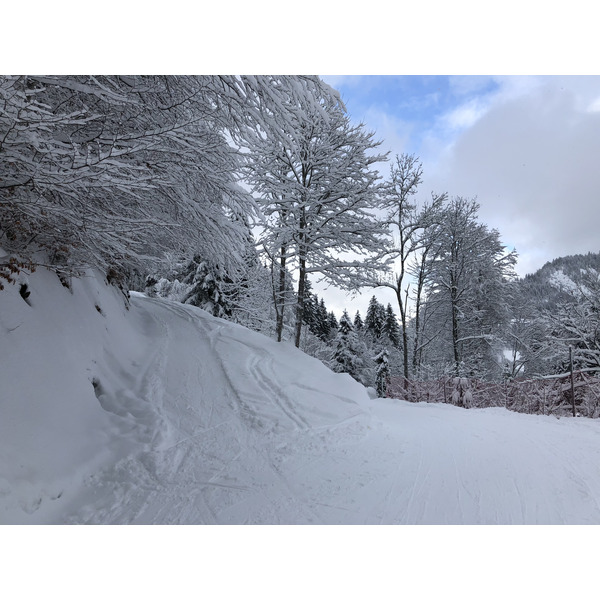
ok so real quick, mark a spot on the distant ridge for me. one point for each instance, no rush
(552, 284)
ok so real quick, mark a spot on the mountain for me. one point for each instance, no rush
(556, 281)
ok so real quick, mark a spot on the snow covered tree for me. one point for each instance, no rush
(380, 332)
(332, 323)
(317, 191)
(469, 276)
(382, 372)
(390, 327)
(375, 319)
(358, 322)
(550, 310)
(574, 323)
(421, 269)
(248, 287)
(207, 281)
(116, 170)
(250, 298)
(311, 310)
(346, 357)
(408, 229)
(519, 334)
(269, 173)
(322, 318)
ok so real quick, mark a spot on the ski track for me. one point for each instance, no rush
(253, 455)
(192, 478)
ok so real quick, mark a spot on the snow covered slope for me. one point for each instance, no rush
(160, 413)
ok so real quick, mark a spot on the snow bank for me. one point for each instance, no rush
(53, 430)
(89, 383)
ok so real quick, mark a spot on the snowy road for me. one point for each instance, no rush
(164, 414)
(242, 444)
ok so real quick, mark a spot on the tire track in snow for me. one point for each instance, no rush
(260, 367)
(162, 482)
(270, 481)
(260, 384)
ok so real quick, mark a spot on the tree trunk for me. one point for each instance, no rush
(402, 308)
(416, 350)
(281, 294)
(572, 383)
(457, 357)
(302, 251)
(300, 300)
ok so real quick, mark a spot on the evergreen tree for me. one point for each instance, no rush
(358, 322)
(311, 310)
(321, 319)
(382, 372)
(207, 292)
(375, 319)
(345, 324)
(346, 357)
(324, 326)
(390, 327)
(332, 322)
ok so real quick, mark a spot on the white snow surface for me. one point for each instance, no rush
(163, 414)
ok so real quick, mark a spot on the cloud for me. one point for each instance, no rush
(595, 105)
(531, 160)
(466, 115)
(393, 132)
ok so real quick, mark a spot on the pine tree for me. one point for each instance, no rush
(390, 327)
(324, 326)
(332, 322)
(358, 322)
(375, 319)
(207, 292)
(345, 324)
(382, 373)
(346, 357)
(311, 309)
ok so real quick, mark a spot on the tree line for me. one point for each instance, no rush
(234, 193)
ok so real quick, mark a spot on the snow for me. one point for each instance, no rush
(160, 413)
(560, 280)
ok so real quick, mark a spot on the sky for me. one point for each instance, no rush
(525, 147)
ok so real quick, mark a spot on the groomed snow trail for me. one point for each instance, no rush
(162, 414)
(245, 439)
(220, 415)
